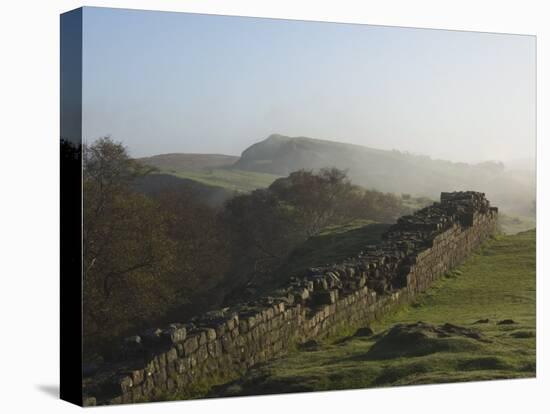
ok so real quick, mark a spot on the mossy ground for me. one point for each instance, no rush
(496, 283)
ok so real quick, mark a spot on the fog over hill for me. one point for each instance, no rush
(513, 189)
(393, 171)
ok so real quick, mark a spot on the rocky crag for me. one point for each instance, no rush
(221, 345)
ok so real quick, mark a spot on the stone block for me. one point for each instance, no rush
(175, 333)
(190, 345)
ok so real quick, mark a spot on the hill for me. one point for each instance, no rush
(228, 179)
(478, 323)
(392, 171)
(208, 171)
(188, 162)
(511, 188)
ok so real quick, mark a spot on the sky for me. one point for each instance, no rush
(165, 82)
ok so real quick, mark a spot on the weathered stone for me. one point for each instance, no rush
(171, 355)
(137, 376)
(125, 383)
(175, 333)
(210, 334)
(214, 348)
(190, 345)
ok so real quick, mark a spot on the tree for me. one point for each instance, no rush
(126, 249)
(262, 230)
(201, 249)
(318, 199)
(266, 225)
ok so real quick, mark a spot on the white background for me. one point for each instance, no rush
(29, 216)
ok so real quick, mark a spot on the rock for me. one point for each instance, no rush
(190, 345)
(506, 322)
(175, 333)
(132, 340)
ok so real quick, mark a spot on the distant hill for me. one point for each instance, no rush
(511, 188)
(189, 162)
(391, 171)
(210, 173)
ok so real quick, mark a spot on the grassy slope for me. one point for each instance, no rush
(230, 179)
(189, 162)
(333, 245)
(496, 283)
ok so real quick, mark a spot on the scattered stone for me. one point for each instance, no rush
(506, 322)
(481, 321)
(175, 333)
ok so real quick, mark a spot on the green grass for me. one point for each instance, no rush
(496, 283)
(235, 180)
(333, 245)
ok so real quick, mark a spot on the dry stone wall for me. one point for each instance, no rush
(222, 345)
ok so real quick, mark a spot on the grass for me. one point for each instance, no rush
(333, 245)
(231, 179)
(495, 284)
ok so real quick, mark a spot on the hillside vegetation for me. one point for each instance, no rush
(188, 162)
(478, 323)
(393, 171)
(211, 170)
(512, 187)
(159, 248)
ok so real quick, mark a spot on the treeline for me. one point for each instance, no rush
(145, 257)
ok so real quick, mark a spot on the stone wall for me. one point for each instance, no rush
(222, 345)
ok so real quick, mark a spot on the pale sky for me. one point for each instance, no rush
(165, 82)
